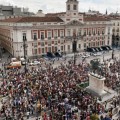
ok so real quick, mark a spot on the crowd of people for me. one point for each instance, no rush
(52, 93)
(112, 74)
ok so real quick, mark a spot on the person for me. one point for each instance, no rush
(101, 117)
(28, 114)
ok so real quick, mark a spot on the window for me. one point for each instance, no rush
(84, 45)
(68, 7)
(55, 48)
(35, 44)
(74, 7)
(89, 33)
(117, 30)
(79, 33)
(102, 43)
(103, 32)
(61, 34)
(42, 36)
(34, 36)
(24, 37)
(84, 32)
(68, 32)
(49, 43)
(42, 44)
(98, 33)
(79, 46)
(35, 51)
(113, 30)
(55, 43)
(43, 50)
(55, 34)
(89, 44)
(98, 43)
(68, 47)
(49, 49)
(49, 35)
(62, 48)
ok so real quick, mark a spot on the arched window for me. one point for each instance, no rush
(74, 7)
(68, 7)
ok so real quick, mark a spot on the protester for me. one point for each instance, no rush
(56, 90)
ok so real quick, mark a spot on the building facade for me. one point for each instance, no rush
(10, 11)
(54, 32)
(116, 32)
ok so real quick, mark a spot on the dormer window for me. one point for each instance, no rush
(74, 7)
(68, 7)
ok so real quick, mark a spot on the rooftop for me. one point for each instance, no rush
(33, 19)
(95, 18)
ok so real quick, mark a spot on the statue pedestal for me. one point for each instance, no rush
(96, 84)
(96, 88)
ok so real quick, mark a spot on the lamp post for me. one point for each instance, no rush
(74, 43)
(103, 57)
(24, 47)
(113, 54)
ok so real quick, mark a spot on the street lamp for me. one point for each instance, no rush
(74, 43)
(24, 47)
(113, 54)
(103, 58)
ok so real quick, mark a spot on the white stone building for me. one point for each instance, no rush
(54, 32)
(116, 31)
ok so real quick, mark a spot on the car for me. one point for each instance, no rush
(33, 63)
(23, 61)
(99, 53)
(94, 54)
(83, 56)
(87, 55)
(36, 62)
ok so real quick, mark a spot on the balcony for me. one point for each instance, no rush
(34, 38)
(42, 38)
(70, 38)
(49, 38)
(55, 37)
(61, 36)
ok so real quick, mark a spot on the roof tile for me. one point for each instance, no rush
(33, 19)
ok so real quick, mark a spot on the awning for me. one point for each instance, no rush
(109, 47)
(104, 48)
(93, 50)
(89, 50)
(100, 49)
(97, 50)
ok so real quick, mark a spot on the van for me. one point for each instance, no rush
(22, 61)
(12, 65)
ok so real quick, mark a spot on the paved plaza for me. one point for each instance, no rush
(52, 92)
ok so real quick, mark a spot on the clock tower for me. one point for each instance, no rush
(72, 7)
